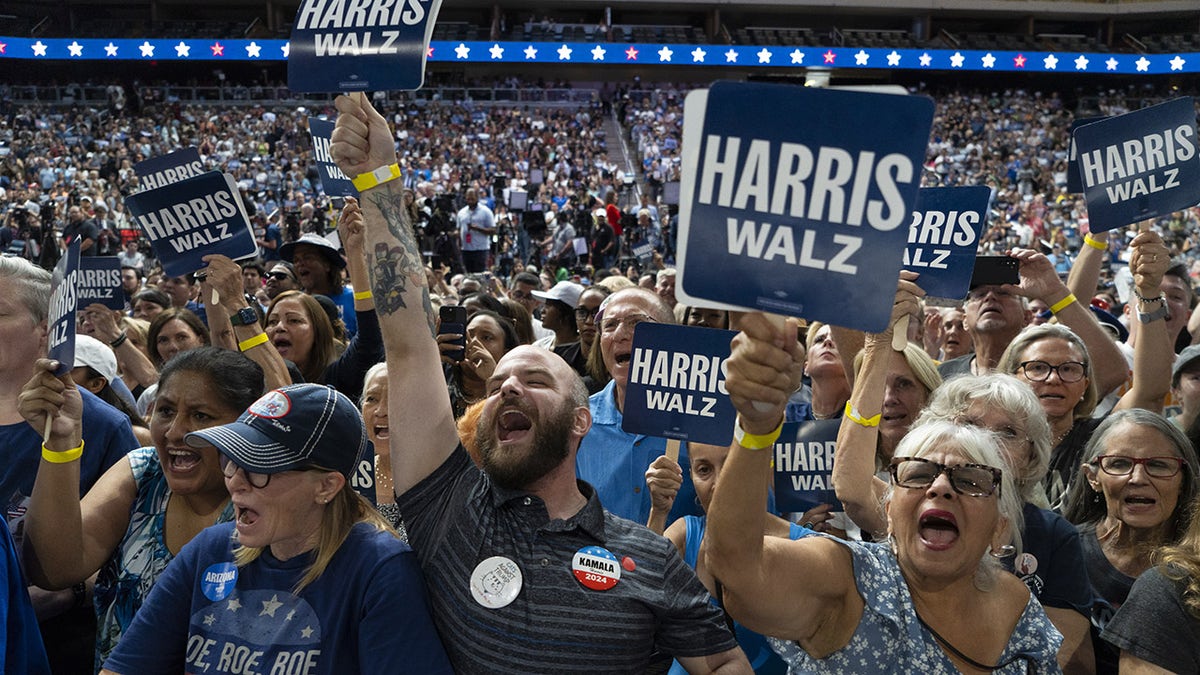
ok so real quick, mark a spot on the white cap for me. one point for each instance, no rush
(95, 354)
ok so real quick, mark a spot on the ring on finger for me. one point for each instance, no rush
(809, 525)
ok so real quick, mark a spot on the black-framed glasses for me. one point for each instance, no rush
(1157, 467)
(583, 313)
(1068, 371)
(256, 480)
(279, 276)
(973, 480)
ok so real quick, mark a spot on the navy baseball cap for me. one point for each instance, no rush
(290, 428)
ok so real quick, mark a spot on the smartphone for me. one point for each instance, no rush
(993, 270)
(337, 203)
(454, 321)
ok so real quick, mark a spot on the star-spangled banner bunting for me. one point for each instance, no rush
(742, 56)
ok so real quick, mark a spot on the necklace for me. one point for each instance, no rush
(954, 650)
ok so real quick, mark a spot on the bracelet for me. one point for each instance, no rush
(755, 441)
(1161, 297)
(251, 342)
(366, 181)
(120, 339)
(62, 456)
(363, 295)
(857, 418)
(1098, 245)
(1058, 306)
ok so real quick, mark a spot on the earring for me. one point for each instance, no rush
(1005, 551)
(891, 540)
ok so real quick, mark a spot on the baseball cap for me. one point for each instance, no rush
(564, 291)
(96, 355)
(288, 250)
(1186, 357)
(290, 428)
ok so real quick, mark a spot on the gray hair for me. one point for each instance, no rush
(32, 285)
(1010, 360)
(976, 446)
(1084, 506)
(1017, 401)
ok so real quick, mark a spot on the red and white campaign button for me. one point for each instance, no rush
(596, 568)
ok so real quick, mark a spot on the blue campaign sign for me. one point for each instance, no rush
(1140, 165)
(188, 220)
(804, 466)
(333, 181)
(61, 317)
(1074, 181)
(802, 196)
(943, 237)
(100, 281)
(166, 169)
(339, 46)
(676, 385)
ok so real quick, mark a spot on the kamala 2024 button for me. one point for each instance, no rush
(496, 582)
(596, 568)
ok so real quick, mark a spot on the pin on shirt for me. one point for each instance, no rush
(596, 568)
(496, 582)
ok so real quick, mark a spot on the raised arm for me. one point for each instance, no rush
(1152, 351)
(418, 402)
(69, 541)
(854, 480)
(135, 366)
(225, 276)
(1039, 280)
(1085, 271)
(762, 589)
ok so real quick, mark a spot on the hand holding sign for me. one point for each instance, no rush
(361, 141)
(225, 278)
(1148, 261)
(54, 405)
(765, 366)
(663, 479)
(100, 322)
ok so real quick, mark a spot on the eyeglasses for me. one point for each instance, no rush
(612, 324)
(278, 276)
(583, 313)
(256, 480)
(1039, 371)
(973, 480)
(1157, 467)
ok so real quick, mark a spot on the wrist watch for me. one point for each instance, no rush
(244, 317)
(1163, 312)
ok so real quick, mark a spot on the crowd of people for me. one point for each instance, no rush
(1018, 473)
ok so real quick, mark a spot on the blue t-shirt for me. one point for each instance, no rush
(345, 305)
(272, 234)
(107, 436)
(22, 650)
(614, 462)
(366, 613)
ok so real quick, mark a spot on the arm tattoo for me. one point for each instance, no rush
(396, 269)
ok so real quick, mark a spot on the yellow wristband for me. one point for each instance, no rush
(1098, 245)
(1058, 306)
(363, 295)
(861, 421)
(756, 441)
(251, 342)
(62, 456)
(366, 181)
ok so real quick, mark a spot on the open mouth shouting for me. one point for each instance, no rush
(938, 529)
(512, 425)
(182, 460)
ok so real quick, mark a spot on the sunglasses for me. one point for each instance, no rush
(973, 480)
(278, 276)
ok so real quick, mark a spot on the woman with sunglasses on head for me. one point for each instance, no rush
(1138, 484)
(309, 578)
(1054, 361)
(930, 599)
(147, 506)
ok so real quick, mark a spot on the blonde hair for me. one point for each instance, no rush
(341, 514)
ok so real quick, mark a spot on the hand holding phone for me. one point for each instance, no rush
(454, 322)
